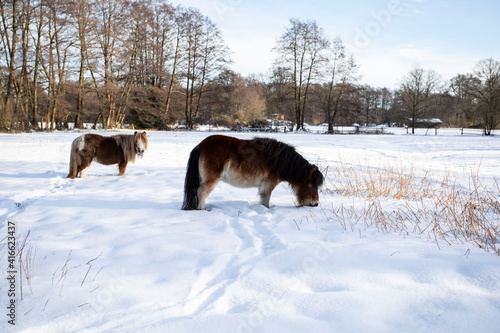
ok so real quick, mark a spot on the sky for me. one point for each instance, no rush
(388, 38)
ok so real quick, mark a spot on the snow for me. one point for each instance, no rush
(116, 254)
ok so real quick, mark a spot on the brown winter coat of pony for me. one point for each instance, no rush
(107, 150)
(260, 162)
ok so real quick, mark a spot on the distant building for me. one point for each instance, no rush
(427, 123)
(277, 116)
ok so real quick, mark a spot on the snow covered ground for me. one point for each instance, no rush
(116, 254)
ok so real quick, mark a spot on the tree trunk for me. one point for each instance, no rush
(11, 50)
(172, 77)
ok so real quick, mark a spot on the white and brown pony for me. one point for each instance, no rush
(107, 150)
(260, 162)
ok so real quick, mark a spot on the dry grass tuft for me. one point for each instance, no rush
(395, 199)
(26, 263)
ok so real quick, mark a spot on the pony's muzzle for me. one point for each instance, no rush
(140, 152)
(313, 204)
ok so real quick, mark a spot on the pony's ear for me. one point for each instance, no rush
(135, 133)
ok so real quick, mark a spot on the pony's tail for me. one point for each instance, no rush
(73, 160)
(192, 181)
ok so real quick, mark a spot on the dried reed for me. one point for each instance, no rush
(438, 207)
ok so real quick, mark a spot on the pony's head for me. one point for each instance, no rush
(307, 190)
(140, 143)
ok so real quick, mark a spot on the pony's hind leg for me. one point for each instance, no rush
(210, 174)
(204, 190)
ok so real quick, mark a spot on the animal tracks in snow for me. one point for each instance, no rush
(43, 185)
(255, 241)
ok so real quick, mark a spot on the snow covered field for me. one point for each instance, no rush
(116, 254)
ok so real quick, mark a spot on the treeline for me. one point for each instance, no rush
(321, 80)
(102, 61)
(150, 64)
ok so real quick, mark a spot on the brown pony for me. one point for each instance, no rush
(260, 162)
(116, 149)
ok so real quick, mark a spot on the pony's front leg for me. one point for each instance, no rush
(122, 167)
(265, 190)
(82, 168)
(264, 200)
(82, 172)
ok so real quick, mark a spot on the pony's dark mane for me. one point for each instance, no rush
(283, 160)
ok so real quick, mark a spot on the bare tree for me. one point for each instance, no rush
(417, 89)
(175, 57)
(386, 106)
(23, 84)
(193, 32)
(487, 92)
(53, 51)
(368, 102)
(239, 97)
(136, 55)
(464, 103)
(205, 54)
(107, 26)
(301, 51)
(11, 13)
(342, 73)
(279, 94)
(162, 26)
(215, 57)
(39, 21)
(56, 59)
(79, 11)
